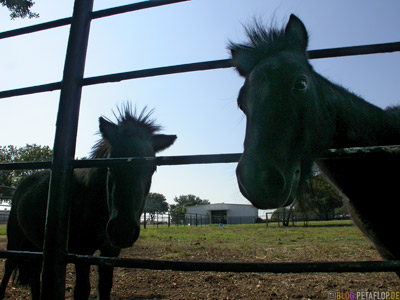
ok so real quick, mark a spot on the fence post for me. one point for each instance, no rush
(278, 219)
(56, 232)
(169, 219)
(145, 219)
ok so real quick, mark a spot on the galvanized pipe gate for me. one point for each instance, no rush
(55, 255)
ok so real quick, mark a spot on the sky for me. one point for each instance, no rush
(199, 107)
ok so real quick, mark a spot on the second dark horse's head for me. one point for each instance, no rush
(279, 98)
(128, 184)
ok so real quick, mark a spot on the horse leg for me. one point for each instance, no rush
(105, 282)
(82, 283)
(106, 274)
(9, 268)
(28, 272)
(34, 280)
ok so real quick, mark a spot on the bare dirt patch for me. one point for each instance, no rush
(133, 284)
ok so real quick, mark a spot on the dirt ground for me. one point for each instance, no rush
(132, 284)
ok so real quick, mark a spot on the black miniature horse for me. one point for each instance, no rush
(293, 115)
(106, 204)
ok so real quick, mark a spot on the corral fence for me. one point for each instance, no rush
(54, 255)
(171, 219)
(4, 216)
(284, 218)
(287, 218)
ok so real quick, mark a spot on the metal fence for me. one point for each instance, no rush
(54, 254)
(285, 218)
(194, 219)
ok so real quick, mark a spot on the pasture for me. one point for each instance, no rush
(322, 241)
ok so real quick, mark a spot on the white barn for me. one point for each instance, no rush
(5, 208)
(221, 213)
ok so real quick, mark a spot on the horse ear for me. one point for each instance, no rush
(242, 60)
(162, 141)
(297, 32)
(108, 130)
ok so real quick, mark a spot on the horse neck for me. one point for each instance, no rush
(92, 178)
(355, 122)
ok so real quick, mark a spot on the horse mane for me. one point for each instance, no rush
(262, 41)
(126, 117)
(394, 109)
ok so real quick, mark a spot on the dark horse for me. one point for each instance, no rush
(293, 115)
(106, 204)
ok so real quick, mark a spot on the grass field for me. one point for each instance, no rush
(335, 240)
(320, 241)
(3, 228)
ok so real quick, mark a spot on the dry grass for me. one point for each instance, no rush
(240, 243)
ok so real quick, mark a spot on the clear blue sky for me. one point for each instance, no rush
(199, 107)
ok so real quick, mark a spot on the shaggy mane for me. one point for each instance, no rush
(259, 37)
(263, 41)
(126, 116)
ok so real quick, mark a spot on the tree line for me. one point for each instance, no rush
(10, 179)
(319, 200)
(19, 8)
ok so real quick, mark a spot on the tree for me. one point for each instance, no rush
(11, 178)
(20, 8)
(283, 214)
(178, 209)
(320, 199)
(156, 203)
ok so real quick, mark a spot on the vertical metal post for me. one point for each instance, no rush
(55, 245)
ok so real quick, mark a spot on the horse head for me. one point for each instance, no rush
(128, 184)
(279, 100)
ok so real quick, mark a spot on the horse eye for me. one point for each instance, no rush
(300, 85)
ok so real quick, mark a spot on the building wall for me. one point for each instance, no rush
(235, 213)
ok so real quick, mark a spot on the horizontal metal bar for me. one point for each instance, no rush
(302, 267)
(193, 266)
(131, 7)
(34, 165)
(354, 50)
(105, 162)
(199, 66)
(160, 160)
(226, 63)
(392, 151)
(94, 15)
(31, 90)
(35, 28)
(345, 153)
(21, 254)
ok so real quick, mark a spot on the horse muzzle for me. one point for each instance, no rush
(122, 234)
(269, 187)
